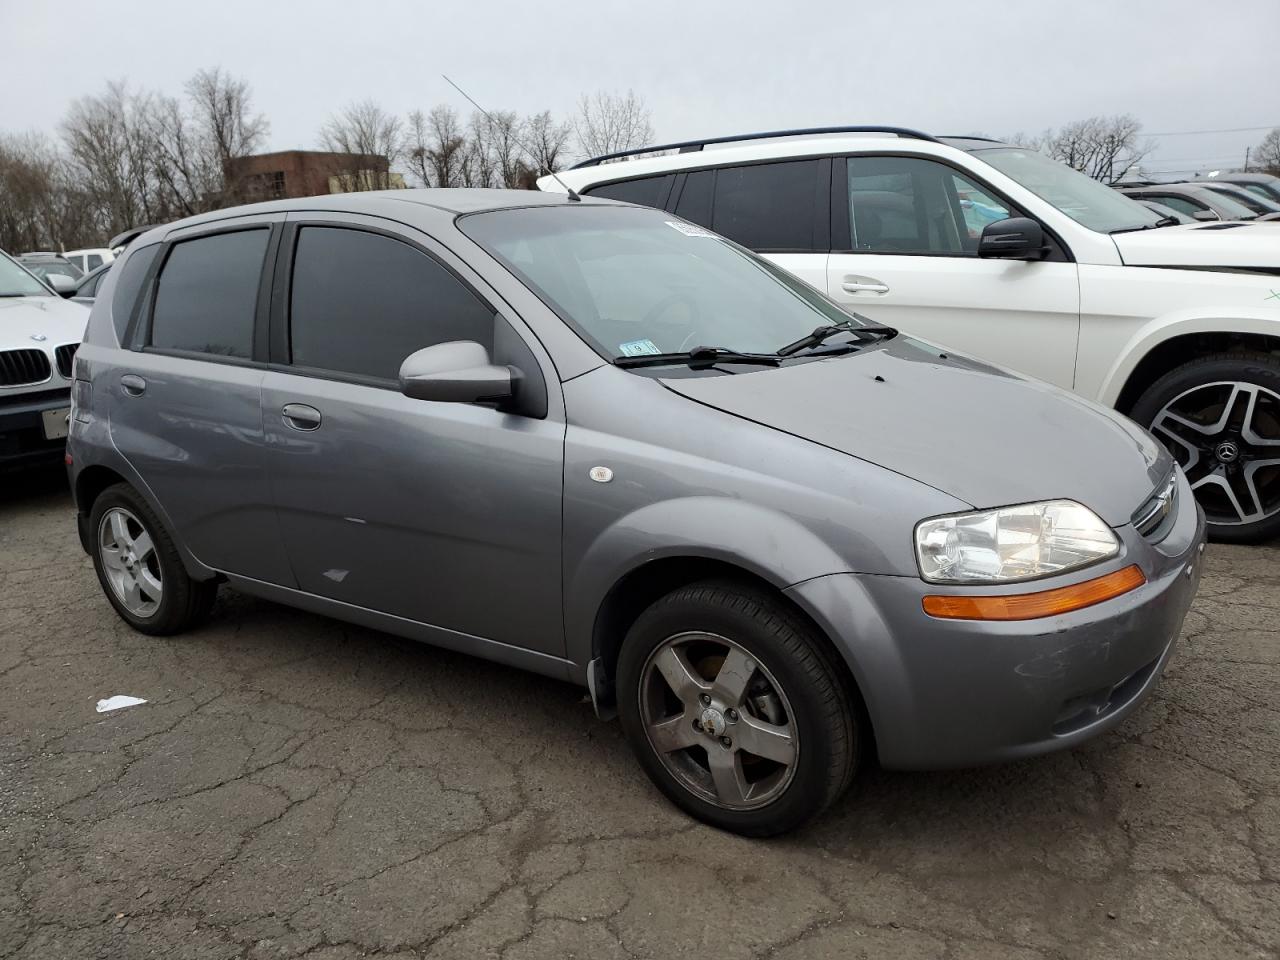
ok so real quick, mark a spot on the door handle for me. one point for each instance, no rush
(864, 285)
(300, 416)
(133, 384)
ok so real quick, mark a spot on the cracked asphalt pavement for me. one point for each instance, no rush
(296, 787)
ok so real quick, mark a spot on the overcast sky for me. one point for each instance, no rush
(705, 68)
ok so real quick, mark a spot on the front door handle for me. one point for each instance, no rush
(300, 416)
(133, 384)
(864, 285)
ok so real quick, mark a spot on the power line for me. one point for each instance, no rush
(1188, 133)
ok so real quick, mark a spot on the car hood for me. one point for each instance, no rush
(976, 432)
(1203, 245)
(25, 320)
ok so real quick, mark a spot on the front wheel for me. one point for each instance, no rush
(1220, 418)
(735, 709)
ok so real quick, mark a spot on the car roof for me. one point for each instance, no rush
(41, 258)
(431, 203)
(771, 145)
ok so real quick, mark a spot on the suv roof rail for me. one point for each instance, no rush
(692, 146)
(969, 136)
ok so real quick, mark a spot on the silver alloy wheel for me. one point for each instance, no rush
(130, 562)
(718, 720)
(1226, 436)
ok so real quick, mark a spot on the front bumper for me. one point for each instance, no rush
(22, 436)
(951, 693)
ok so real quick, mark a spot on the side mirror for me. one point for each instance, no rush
(456, 372)
(1017, 238)
(1204, 215)
(62, 285)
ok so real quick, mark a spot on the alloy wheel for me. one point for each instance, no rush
(718, 720)
(1226, 437)
(130, 562)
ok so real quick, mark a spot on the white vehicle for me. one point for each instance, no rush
(999, 252)
(91, 259)
(39, 333)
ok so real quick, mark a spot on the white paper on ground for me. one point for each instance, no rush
(118, 701)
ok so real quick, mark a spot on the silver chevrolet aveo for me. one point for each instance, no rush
(595, 441)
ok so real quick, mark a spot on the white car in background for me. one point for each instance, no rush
(39, 334)
(91, 259)
(999, 252)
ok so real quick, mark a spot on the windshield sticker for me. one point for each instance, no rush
(638, 348)
(689, 230)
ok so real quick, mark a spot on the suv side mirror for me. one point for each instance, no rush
(62, 285)
(456, 372)
(1017, 238)
(1204, 215)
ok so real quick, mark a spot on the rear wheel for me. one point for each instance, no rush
(140, 569)
(1220, 418)
(735, 709)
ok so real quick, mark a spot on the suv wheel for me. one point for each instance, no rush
(1220, 418)
(139, 567)
(735, 710)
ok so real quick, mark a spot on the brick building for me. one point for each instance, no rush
(308, 173)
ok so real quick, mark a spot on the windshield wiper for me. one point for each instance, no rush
(821, 335)
(1162, 222)
(699, 358)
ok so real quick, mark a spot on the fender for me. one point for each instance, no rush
(1235, 319)
(761, 541)
(91, 444)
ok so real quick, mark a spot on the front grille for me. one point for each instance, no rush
(1155, 516)
(21, 367)
(66, 355)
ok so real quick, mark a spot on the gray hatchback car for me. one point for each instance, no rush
(595, 441)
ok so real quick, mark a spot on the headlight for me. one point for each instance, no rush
(1012, 543)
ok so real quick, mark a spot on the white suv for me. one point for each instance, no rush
(1004, 254)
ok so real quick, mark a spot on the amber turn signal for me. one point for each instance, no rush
(1029, 606)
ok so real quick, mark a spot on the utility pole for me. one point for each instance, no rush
(1246, 159)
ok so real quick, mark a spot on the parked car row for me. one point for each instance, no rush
(1220, 198)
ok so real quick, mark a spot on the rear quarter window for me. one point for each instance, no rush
(133, 274)
(645, 191)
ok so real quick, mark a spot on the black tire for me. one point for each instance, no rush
(184, 602)
(823, 707)
(1255, 370)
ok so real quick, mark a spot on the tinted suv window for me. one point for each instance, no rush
(646, 191)
(207, 294)
(915, 206)
(362, 302)
(770, 206)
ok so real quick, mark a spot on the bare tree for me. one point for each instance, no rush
(546, 141)
(369, 135)
(40, 206)
(1268, 153)
(222, 112)
(436, 147)
(607, 123)
(1105, 148)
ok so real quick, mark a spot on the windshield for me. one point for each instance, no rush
(1083, 199)
(1245, 199)
(1229, 205)
(637, 282)
(16, 282)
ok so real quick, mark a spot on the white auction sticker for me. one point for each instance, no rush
(689, 230)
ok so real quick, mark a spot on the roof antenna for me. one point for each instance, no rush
(573, 195)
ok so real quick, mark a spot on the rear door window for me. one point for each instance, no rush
(695, 199)
(773, 207)
(207, 294)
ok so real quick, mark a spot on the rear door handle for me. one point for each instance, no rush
(133, 384)
(863, 285)
(300, 416)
